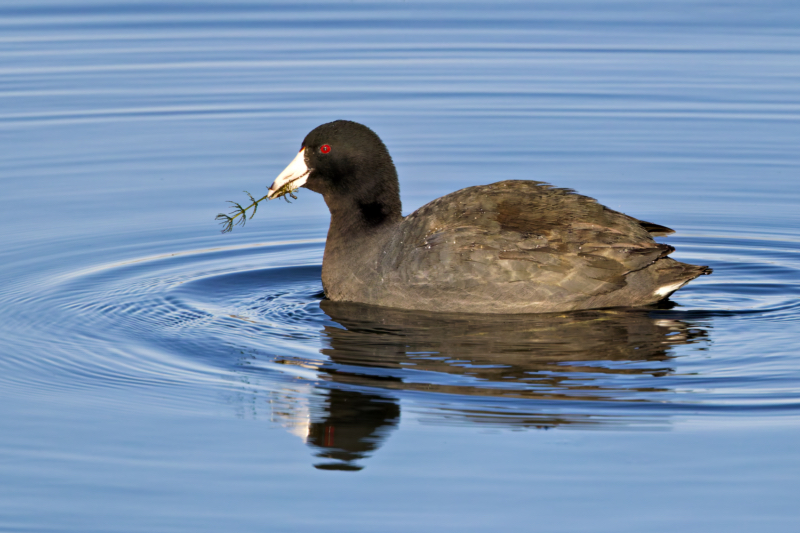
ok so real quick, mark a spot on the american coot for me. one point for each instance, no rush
(514, 246)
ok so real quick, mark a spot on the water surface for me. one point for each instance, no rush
(156, 375)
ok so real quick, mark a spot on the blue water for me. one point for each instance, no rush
(156, 375)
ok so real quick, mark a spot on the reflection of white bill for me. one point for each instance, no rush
(291, 408)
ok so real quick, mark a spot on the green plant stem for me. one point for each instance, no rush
(238, 216)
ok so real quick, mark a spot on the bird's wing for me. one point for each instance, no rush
(490, 238)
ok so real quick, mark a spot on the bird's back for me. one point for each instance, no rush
(525, 246)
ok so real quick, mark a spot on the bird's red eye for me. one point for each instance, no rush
(325, 148)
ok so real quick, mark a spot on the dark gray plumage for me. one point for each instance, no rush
(509, 247)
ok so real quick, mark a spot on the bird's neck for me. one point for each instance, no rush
(355, 221)
(359, 229)
(364, 205)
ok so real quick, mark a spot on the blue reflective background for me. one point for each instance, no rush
(156, 375)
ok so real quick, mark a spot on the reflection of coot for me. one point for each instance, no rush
(506, 345)
(532, 361)
(354, 425)
(578, 355)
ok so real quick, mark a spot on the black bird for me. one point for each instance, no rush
(514, 246)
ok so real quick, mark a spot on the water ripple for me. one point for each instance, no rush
(216, 319)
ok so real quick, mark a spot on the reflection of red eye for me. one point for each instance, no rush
(324, 148)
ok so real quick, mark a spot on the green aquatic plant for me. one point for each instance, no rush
(238, 216)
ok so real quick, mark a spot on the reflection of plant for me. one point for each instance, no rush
(229, 220)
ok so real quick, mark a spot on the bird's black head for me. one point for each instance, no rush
(351, 168)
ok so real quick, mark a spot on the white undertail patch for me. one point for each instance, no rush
(668, 289)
